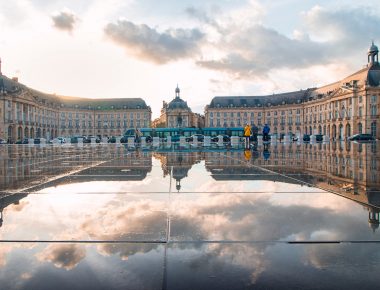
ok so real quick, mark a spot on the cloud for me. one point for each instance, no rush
(64, 20)
(152, 45)
(254, 50)
(65, 256)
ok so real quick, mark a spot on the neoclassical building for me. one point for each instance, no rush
(177, 114)
(27, 113)
(340, 109)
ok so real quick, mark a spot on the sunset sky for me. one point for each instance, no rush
(143, 48)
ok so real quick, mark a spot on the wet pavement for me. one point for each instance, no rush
(285, 216)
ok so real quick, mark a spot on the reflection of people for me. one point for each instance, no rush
(266, 131)
(247, 135)
(266, 153)
(247, 154)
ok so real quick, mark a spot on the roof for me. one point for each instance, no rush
(178, 103)
(258, 101)
(368, 76)
(14, 87)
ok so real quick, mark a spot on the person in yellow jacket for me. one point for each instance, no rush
(247, 135)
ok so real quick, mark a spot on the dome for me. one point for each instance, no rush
(373, 48)
(178, 103)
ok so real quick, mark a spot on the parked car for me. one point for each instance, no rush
(87, 139)
(361, 137)
(2, 141)
(319, 137)
(23, 141)
(197, 137)
(111, 139)
(226, 138)
(37, 141)
(58, 140)
(306, 138)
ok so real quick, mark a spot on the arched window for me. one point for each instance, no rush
(360, 128)
(373, 129)
(348, 130)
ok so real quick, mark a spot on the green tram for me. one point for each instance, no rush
(175, 133)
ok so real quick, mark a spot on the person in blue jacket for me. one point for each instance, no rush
(266, 131)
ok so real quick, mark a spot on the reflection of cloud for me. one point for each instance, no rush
(64, 20)
(65, 256)
(149, 44)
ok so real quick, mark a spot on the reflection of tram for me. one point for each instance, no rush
(186, 132)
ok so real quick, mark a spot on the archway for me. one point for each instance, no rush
(10, 133)
(341, 133)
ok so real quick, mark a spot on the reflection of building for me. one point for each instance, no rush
(349, 169)
(177, 114)
(177, 164)
(27, 113)
(341, 109)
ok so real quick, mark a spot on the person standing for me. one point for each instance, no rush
(255, 131)
(247, 135)
(266, 131)
(137, 136)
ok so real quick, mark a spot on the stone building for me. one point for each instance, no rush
(340, 109)
(177, 114)
(27, 113)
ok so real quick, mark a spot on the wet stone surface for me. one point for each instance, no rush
(191, 217)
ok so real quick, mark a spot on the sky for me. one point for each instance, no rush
(144, 48)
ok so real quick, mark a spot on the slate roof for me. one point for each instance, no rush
(13, 87)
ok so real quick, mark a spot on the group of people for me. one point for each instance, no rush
(252, 131)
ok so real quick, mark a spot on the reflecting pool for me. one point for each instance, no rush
(289, 216)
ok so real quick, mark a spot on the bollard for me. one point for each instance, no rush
(131, 142)
(169, 141)
(104, 140)
(234, 140)
(93, 141)
(326, 139)
(195, 141)
(68, 141)
(31, 141)
(207, 141)
(286, 139)
(259, 140)
(313, 139)
(182, 140)
(156, 141)
(118, 139)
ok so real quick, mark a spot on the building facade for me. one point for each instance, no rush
(177, 114)
(27, 113)
(339, 110)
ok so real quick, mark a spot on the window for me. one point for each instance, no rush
(360, 111)
(373, 110)
(360, 99)
(373, 99)
(211, 114)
